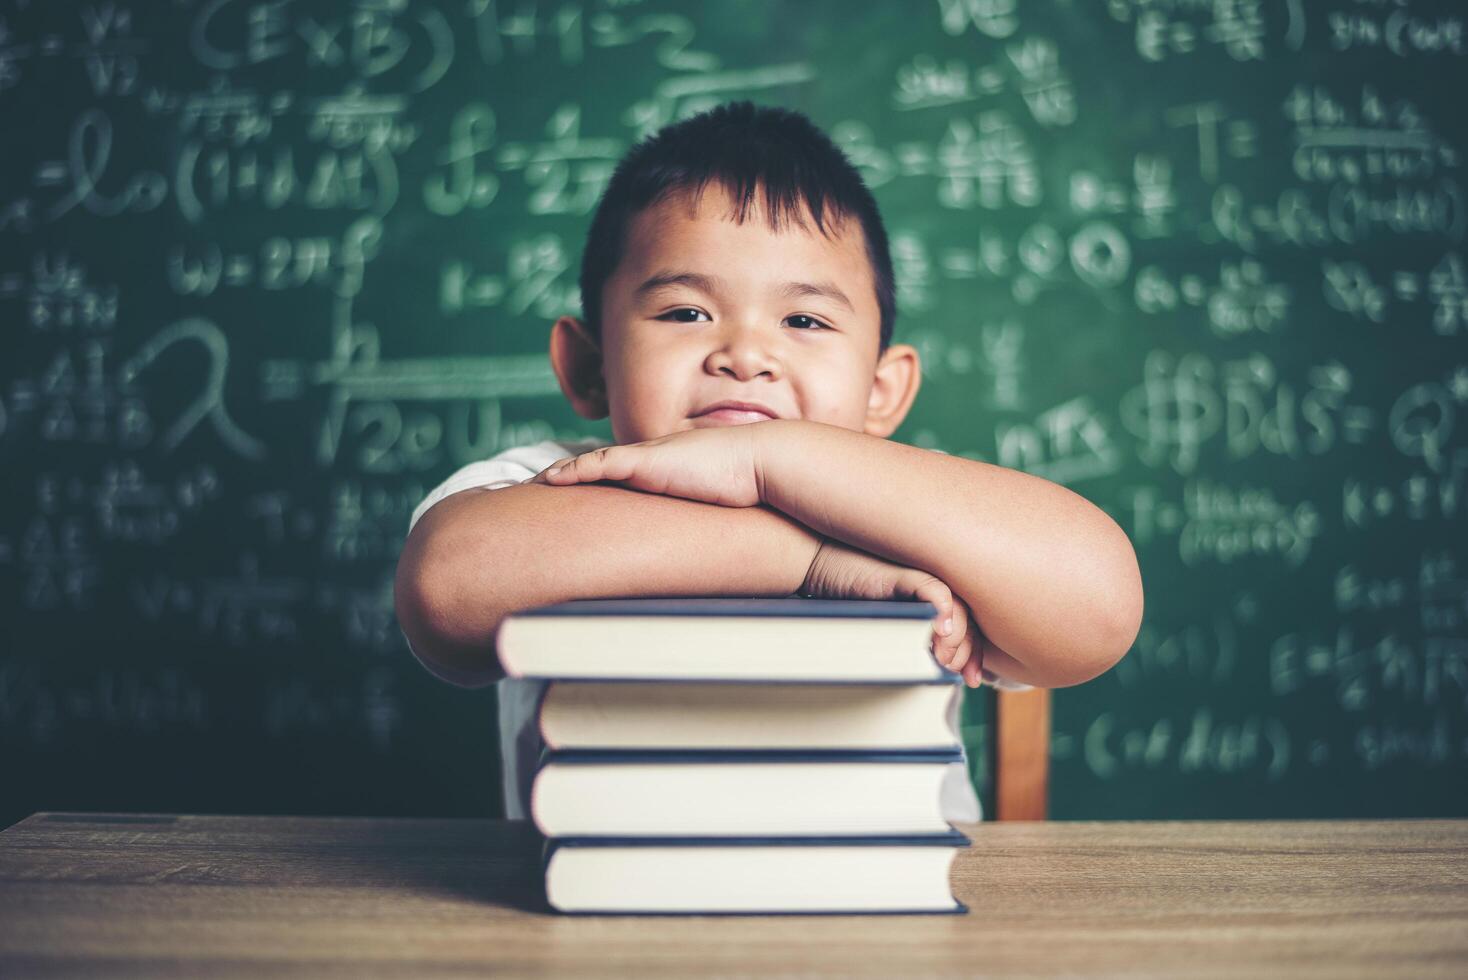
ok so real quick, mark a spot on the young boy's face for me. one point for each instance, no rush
(702, 309)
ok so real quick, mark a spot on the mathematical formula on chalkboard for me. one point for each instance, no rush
(269, 271)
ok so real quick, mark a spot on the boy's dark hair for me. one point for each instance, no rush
(744, 147)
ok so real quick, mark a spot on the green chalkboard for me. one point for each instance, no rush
(269, 271)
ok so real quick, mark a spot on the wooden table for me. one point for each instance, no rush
(195, 895)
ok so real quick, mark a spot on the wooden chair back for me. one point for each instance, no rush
(1021, 756)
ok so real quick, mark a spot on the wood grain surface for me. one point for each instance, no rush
(217, 895)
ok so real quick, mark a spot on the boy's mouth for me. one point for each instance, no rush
(735, 412)
(732, 417)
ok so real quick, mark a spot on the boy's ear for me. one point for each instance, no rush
(899, 375)
(576, 357)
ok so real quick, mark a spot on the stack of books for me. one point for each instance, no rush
(727, 755)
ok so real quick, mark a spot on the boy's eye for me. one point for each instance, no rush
(687, 314)
(681, 315)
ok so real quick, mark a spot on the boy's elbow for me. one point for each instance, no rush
(427, 598)
(414, 600)
(1108, 644)
(1119, 639)
(1095, 660)
(1122, 617)
(1118, 620)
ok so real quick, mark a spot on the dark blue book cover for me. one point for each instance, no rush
(943, 756)
(948, 679)
(951, 838)
(787, 606)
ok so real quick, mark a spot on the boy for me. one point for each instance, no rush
(739, 304)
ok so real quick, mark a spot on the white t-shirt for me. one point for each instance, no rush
(520, 743)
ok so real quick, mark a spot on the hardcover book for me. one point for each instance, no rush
(790, 639)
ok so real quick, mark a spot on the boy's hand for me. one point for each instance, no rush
(715, 465)
(842, 572)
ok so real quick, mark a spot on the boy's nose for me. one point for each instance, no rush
(745, 353)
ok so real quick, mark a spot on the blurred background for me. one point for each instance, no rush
(269, 271)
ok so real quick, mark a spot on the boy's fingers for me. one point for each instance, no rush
(961, 655)
(555, 468)
(959, 615)
(971, 675)
(935, 591)
(949, 625)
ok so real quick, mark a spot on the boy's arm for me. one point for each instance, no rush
(1052, 581)
(478, 555)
